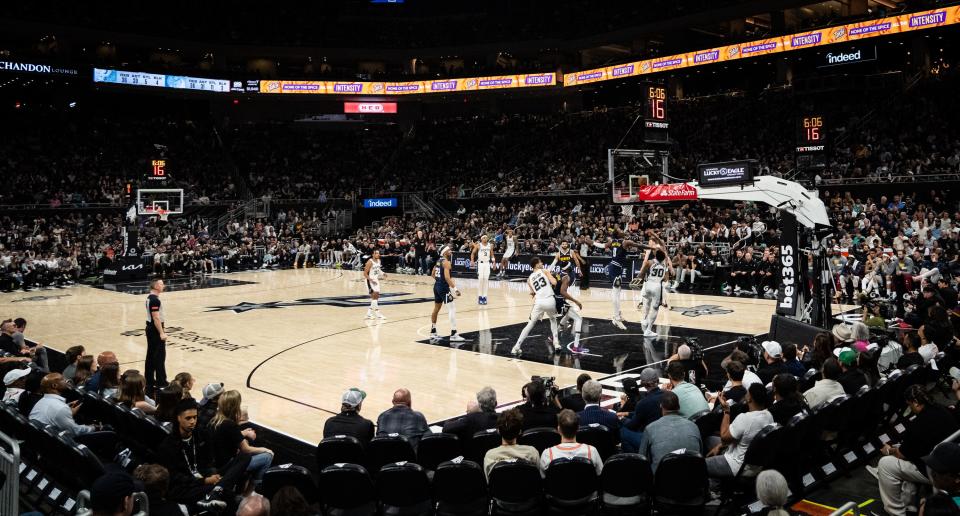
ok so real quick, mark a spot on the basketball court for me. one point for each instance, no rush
(293, 340)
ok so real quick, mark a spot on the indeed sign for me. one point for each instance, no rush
(380, 203)
(855, 56)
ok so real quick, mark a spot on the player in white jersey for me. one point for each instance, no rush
(482, 255)
(655, 270)
(373, 273)
(541, 284)
(511, 242)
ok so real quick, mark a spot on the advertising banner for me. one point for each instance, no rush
(519, 266)
(788, 291)
(40, 68)
(667, 192)
(533, 80)
(725, 174)
(803, 40)
(390, 202)
(373, 108)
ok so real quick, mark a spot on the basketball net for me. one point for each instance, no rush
(159, 212)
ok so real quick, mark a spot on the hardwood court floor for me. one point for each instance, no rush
(291, 341)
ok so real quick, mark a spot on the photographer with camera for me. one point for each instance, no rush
(575, 401)
(690, 355)
(539, 409)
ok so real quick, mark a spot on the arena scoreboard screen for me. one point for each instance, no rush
(811, 134)
(656, 120)
(811, 150)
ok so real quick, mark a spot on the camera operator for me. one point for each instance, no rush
(694, 365)
(918, 316)
(539, 410)
(947, 293)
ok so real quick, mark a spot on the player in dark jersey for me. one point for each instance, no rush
(569, 307)
(444, 292)
(617, 246)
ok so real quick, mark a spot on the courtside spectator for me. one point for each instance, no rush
(54, 410)
(349, 421)
(402, 419)
(726, 456)
(510, 425)
(208, 405)
(15, 382)
(290, 502)
(902, 466)
(186, 454)
(852, 378)
(156, 482)
(943, 465)
(109, 384)
(229, 441)
(167, 399)
(772, 493)
(568, 424)
(691, 398)
(772, 362)
(646, 411)
(71, 356)
(671, 432)
(112, 494)
(254, 505)
(575, 401)
(481, 415)
(93, 383)
(787, 400)
(185, 381)
(828, 388)
(133, 394)
(84, 371)
(538, 411)
(594, 413)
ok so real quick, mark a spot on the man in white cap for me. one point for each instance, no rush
(444, 292)
(772, 363)
(15, 381)
(349, 421)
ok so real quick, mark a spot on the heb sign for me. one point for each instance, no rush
(381, 203)
(370, 107)
(667, 192)
(726, 174)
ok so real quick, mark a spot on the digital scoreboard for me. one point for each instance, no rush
(656, 119)
(811, 150)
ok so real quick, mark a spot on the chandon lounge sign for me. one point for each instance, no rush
(16, 66)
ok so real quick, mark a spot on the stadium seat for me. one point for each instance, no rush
(571, 486)
(436, 448)
(516, 488)
(347, 490)
(482, 442)
(460, 489)
(625, 484)
(387, 449)
(707, 422)
(680, 485)
(540, 438)
(148, 430)
(13, 422)
(403, 489)
(292, 475)
(339, 449)
(600, 437)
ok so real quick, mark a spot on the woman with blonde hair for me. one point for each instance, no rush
(229, 441)
(185, 381)
(133, 388)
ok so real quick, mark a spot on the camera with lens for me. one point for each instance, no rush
(549, 385)
(752, 348)
(696, 350)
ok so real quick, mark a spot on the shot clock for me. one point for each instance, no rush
(811, 134)
(655, 115)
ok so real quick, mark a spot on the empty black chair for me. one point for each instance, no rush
(481, 443)
(707, 422)
(460, 489)
(292, 475)
(403, 489)
(387, 449)
(540, 438)
(600, 437)
(339, 449)
(81, 464)
(571, 485)
(680, 485)
(347, 490)
(12, 421)
(436, 448)
(625, 484)
(103, 443)
(149, 430)
(96, 408)
(516, 488)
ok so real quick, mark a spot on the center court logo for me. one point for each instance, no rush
(697, 311)
(338, 301)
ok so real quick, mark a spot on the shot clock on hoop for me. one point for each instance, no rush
(655, 117)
